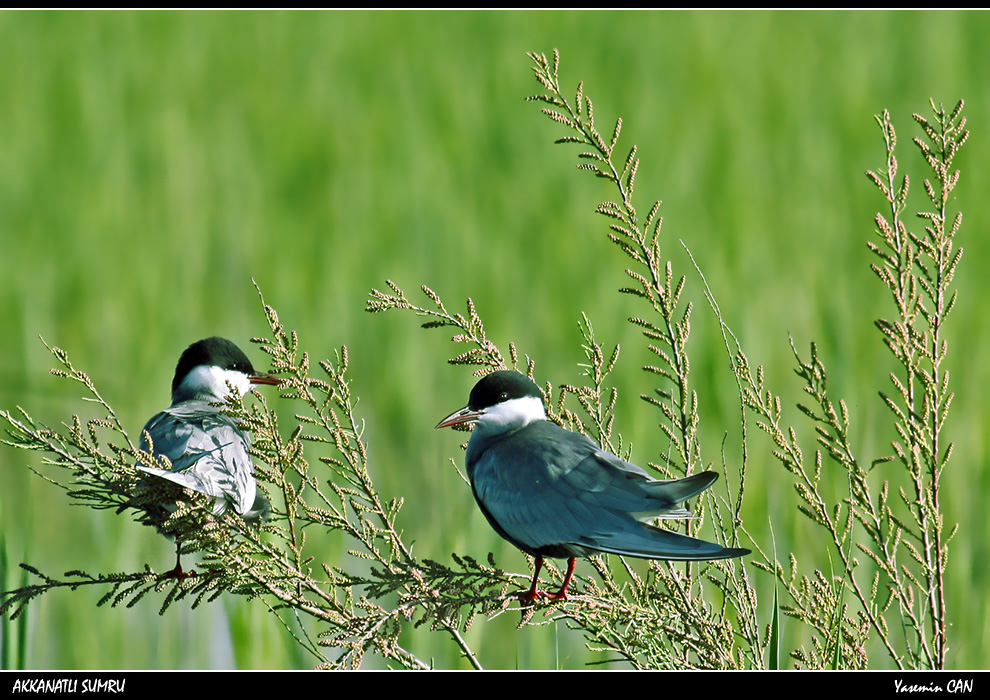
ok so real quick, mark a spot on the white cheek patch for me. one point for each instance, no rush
(214, 381)
(239, 380)
(512, 414)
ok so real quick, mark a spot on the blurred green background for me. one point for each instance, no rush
(152, 163)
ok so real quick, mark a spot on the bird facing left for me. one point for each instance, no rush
(554, 493)
(207, 449)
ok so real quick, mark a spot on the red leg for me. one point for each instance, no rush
(533, 593)
(177, 572)
(562, 593)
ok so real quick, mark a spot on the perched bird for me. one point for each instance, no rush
(207, 450)
(554, 493)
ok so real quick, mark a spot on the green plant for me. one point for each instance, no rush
(900, 599)
(274, 566)
(662, 619)
(314, 466)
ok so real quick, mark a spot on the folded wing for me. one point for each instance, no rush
(556, 493)
(209, 454)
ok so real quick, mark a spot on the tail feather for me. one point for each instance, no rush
(189, 479)
(649, 542)
(679, 490)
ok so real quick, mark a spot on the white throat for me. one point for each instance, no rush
(510, 415)
(211, 383)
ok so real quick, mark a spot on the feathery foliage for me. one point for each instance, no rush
(660, 619)
(900, 530)
(312, 460)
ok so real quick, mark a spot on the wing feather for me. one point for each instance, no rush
(554, 492)
(208, 453)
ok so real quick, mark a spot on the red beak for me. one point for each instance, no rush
(264, 379)
(465, 415)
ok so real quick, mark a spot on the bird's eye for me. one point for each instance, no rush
(503, 396)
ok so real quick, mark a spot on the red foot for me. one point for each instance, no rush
(534, 594)
(178, 573)
(529, 597)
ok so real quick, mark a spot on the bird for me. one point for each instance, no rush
(554, 493)
(207, 449)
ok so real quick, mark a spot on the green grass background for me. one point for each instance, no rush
(152, 163)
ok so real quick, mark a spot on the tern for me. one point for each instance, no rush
(207, 450)
(554, 493)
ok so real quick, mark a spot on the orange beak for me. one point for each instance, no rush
(465, 415)
(264, 379)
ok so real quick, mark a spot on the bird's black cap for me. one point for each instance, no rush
(213, 352)
(501, 386)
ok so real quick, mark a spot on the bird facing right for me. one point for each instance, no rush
(554, 493)
(207, 449)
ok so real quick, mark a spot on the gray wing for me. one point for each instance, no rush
(554, 492)
(208, 453)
